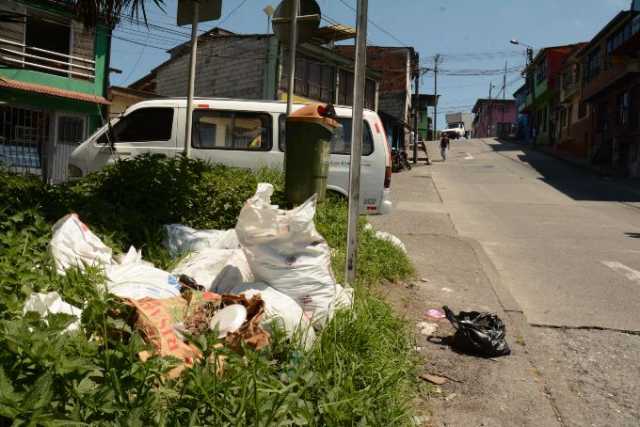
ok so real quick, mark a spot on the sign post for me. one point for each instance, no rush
(295, 21)
(357, 128)
(195, 11)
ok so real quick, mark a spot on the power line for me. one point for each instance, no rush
(230, 14)
(376, 25)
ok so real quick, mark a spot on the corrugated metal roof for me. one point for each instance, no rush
(52, 91)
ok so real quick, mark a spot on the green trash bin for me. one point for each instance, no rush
(309, 132)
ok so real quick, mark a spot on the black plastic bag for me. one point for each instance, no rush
(480, 334)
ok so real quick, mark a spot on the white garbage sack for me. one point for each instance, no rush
(138, 279)
(209, 265)
(52, 302)
(383, 235)
(181, 239)
(74, 245)
(279, 308)
(285, 250)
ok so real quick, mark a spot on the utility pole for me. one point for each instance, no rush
(415, 119)
(491, 86)
(357, 128)
(293, 44)
(504, 82)
(435, 90)
(192, 77)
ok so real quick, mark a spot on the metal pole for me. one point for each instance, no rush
(192, 77)
(504, 82)
(435, 105)
(415, 120)
(357, 128)
(293, 43)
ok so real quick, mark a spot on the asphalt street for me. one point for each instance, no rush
(551, 248)
(565, 242)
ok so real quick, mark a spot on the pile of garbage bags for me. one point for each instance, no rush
(274, 268)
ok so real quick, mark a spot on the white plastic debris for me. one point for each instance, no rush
(383, 235)
(427, 328)
(210, 267)
(279, 308)
(236, 272)
(285, 250)
(52, 302)
(181, 239)
(229, 319)
(74, 245)
(137, 280)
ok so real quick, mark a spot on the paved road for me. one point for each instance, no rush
(566, 243)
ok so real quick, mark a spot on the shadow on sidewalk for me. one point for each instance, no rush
(574, 181)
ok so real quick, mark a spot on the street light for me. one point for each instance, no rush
(528, 46)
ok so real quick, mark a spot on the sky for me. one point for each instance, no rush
(469, 34)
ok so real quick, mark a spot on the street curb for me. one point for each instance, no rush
(507, 301)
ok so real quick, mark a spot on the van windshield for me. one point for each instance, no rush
(341, 143)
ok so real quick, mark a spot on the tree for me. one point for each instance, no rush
(90, 12)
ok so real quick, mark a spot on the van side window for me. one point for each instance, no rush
(143, 125)
(231, 130)
(341, 143)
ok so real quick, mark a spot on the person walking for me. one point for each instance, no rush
(444, 146)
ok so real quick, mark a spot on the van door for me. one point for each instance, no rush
(234, 138)
(145, 130)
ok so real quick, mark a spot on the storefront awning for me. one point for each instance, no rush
(52, 91)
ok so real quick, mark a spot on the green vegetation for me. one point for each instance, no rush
(358, 373)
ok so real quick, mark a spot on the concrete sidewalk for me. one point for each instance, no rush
(507, 391)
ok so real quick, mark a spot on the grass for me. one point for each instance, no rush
(359, 372)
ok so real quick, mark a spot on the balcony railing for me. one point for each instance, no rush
(23, 56)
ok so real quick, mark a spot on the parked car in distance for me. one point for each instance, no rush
(240, 133)
(455, 131)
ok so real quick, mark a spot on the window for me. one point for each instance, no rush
(623, 104)
(231, 130)
(345, 92)
(601, 117)
(541, 71)
(53, 36)
(70, 130)
(341, 143)
(314, 79)
(582, 110)
(592, 65)
(143, 125)
(570, 115)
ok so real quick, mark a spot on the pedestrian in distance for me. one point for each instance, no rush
(444, 146)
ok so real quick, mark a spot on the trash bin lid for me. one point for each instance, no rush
(314, 113)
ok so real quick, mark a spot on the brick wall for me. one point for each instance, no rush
(229, 67)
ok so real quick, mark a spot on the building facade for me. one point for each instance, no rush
(572, 113)
(53, 82)
(253, 66)
(399, 67)
(494, 118)
(611, 86)
(542, 81)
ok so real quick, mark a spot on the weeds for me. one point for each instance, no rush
(359, 371)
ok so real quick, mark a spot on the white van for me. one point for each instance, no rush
(246, 134)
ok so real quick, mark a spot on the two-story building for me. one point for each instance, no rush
(53, 80)
(253, 66)
(542, 79)
(399, 67)
(572, 132)
(494, 118)
(611, 85)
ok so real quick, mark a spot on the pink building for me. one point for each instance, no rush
(494, 118)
